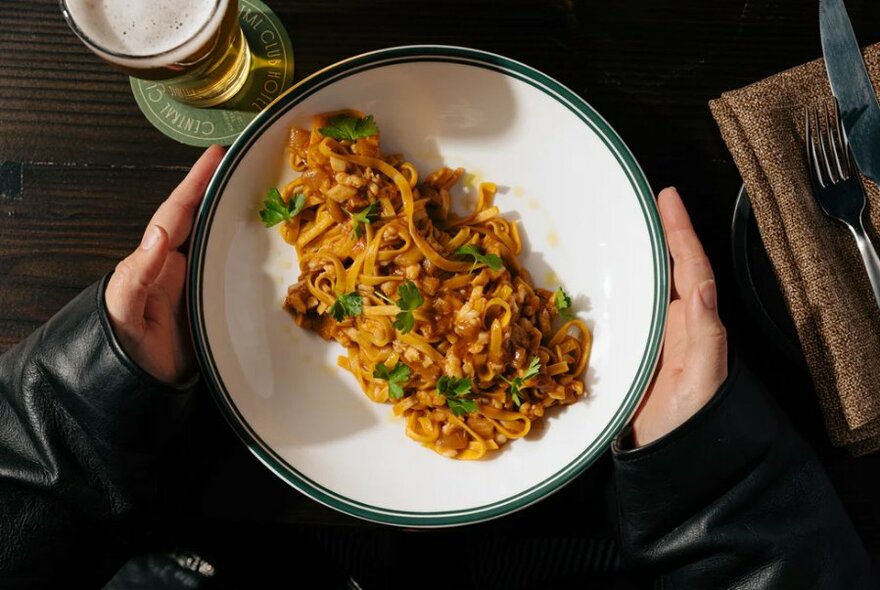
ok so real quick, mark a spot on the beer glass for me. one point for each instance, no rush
(195, 47)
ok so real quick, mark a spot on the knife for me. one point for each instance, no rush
(851, 86)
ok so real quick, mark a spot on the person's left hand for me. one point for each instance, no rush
(144, 296)
(693, 363)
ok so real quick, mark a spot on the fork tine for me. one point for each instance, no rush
(812, 159)
(821, 136)
(844, 142)
(808, 139)
(838, 148)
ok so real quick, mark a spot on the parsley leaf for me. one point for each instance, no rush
(275, 210)
(395, 378)
(343, 127)
(517, 383)
(347, 305)
(450, 386)
(491, 260)
(460, 407)
(563, 303)
(409, 299)
(367, 215)
(404, 322)
(454, 391)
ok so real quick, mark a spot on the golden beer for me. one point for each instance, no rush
(195, 47)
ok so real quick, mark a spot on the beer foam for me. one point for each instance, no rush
(140, 29)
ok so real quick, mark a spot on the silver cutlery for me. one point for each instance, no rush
(836, 183)
(851, 86)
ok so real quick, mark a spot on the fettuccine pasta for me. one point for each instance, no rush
(434, 310)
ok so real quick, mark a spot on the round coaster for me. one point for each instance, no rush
(271, 74)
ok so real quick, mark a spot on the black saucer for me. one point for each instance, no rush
(757, 282)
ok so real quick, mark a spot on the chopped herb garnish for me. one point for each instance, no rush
(275, 210)
(563, 303)
(517, 383)
(493, 261)
(409, 299)
(343, 127)
(452, 386)
(395, 378)
(347, 305)
(454, 391)
(460, 407)
(409, 296)
(367, 215)
(404, 322)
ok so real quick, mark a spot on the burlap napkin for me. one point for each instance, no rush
(816, 261)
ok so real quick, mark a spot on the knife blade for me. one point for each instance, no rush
(851, 86)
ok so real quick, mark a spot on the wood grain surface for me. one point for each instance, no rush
(81, 171)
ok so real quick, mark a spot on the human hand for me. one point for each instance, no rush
(144, 296)
(693, 363)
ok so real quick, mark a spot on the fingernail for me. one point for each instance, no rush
(150, 238)
(708, 294)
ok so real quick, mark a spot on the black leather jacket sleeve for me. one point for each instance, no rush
(734, 498)
(80, 426)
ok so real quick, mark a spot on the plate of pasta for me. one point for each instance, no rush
(428, 286)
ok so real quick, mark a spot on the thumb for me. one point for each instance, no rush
(706, 365)
(128, 288)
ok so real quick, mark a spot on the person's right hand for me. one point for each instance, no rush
(693, 363)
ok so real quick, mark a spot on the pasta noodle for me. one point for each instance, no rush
(434, 310)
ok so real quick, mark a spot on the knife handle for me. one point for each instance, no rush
(869, 257)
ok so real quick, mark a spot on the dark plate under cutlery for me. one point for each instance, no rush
(757, 284)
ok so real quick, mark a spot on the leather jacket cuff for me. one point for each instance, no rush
(112, 398)
(123, 357)
(624, 447)
(659, 483)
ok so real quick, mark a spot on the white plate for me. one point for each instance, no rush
(588, 218)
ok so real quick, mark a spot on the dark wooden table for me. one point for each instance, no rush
(81, 171)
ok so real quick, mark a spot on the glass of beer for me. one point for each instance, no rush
(195, 47)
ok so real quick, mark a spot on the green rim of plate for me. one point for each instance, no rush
(462, 56)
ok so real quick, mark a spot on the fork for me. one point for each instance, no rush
(836, 183)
